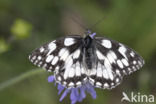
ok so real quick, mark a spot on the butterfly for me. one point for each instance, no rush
(76, 60)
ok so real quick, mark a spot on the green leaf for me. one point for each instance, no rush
(21, 29)
(3, 46)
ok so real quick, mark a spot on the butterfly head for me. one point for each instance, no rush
(88, 39)
(90, 34)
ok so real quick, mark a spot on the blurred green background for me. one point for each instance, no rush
(27, 24)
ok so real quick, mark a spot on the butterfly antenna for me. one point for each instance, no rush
(80, 24)
(98, 22)
(75, 17)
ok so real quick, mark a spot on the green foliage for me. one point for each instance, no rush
(27, 24)
(3, 46)
(21, 29)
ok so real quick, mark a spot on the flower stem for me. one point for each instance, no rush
(19, 78)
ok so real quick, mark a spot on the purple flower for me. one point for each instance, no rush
(92, 35)
(76, 94)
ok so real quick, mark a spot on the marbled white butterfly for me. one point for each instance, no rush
(76, 60)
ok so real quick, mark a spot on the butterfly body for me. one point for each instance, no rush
(77, 60)
(88, 50)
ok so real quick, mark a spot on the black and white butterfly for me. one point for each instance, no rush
(76, 60)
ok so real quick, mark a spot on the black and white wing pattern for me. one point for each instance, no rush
(114, 60)
(76, 60)
(63, 57)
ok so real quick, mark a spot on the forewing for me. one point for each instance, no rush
(54, 53)
(114, 60)
(63, 57)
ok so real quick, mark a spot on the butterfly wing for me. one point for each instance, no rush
(73, 74)
(114, 60)
(63, 57)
